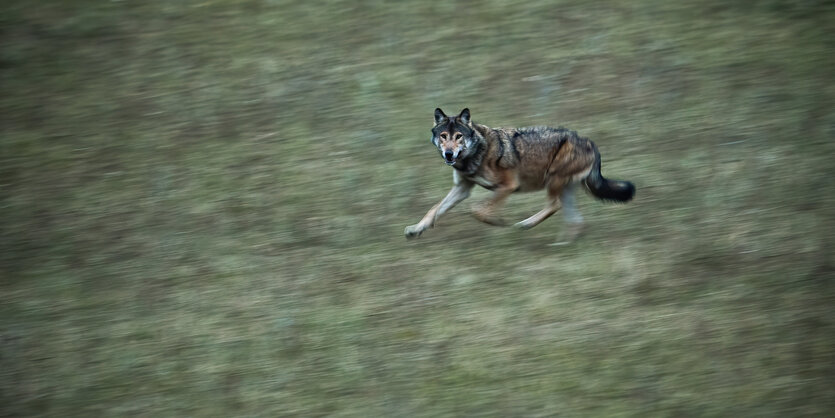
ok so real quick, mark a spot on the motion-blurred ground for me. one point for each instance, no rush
(202, 206)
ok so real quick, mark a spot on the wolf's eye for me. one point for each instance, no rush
(444, 135)
(458, 136)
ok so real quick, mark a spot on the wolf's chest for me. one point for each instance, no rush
(482, 181)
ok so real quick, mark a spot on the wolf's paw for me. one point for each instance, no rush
(569, 234)
(522, 225)
(413, 231)
(559, 243)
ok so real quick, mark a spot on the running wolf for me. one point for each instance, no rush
(518, 160)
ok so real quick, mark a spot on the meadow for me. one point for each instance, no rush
(202, 207)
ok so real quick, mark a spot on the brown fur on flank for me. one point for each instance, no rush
(517, 160)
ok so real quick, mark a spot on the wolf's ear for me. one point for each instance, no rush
(465, 116)
(439, 115)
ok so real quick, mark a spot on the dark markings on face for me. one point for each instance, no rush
(451, 126)
(453, 136)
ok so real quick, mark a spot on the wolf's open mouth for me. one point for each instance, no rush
(449, 162)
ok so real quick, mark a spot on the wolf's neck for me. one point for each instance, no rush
(470, 165)
(482, 130)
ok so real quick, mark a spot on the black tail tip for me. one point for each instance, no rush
(611, 190)
(628, 191)
(618, 191)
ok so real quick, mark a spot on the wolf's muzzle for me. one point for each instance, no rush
(449, 157)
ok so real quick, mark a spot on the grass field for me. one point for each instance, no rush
(202, 207)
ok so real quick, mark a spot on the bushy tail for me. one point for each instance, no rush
(602, 188)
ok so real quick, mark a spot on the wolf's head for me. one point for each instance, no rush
(454, 135)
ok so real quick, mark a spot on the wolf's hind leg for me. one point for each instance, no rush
(568, 199)
(555, 190)
(573, 220)
(551, 208)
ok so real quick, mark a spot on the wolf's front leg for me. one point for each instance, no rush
(458, 193)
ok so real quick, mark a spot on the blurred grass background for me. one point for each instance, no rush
(203, 205)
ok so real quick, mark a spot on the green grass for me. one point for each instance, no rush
(203, 205)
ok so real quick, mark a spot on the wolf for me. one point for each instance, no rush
(513, 160)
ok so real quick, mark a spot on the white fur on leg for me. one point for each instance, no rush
(573, 220)
(569, 211)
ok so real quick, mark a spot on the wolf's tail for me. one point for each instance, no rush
(603, 188)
